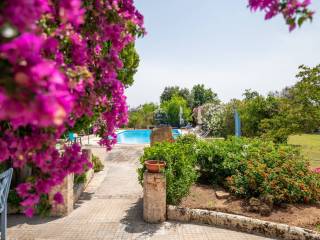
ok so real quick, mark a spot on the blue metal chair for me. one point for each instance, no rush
(5, 181)
(71, 137)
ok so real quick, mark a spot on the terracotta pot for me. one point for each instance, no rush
(154, 166)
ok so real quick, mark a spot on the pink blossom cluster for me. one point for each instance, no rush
(60, 65)
(294, 11)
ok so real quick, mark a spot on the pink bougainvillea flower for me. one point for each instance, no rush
(28, 212)
(24, 14)
(58, 198)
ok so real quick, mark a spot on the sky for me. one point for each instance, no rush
(220, 44)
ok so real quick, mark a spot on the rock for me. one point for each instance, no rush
(256, 205)
(265, 210)
(222, 194)
(162, 134)
(267, 199)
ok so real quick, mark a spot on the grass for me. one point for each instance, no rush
(310, 144)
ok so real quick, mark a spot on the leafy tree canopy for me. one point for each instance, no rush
(142, 116)
(169, 92)
(172, 109)
(130, 60)
(200, 95)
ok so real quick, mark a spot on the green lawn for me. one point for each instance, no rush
(310, 146)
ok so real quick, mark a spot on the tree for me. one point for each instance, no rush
(253, 109)
(299, 108)
(249, 94)
(130, 60)
(172, 109)
(200, 95)
(305, 98)
(161, 117)
(142, 116)
(169, 92)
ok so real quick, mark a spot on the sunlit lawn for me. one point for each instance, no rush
(310, 146)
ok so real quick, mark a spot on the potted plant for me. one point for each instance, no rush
(154, 166)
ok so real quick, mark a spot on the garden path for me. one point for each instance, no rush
(111, 208)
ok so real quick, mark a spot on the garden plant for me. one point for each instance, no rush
(245, 167)
(61, 61)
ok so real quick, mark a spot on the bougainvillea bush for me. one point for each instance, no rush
(295, 12)
(59, 63)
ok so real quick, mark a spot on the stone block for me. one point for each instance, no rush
(88, 153)
(222, 195)
(154, 197)
(66, 189)
(162, 134)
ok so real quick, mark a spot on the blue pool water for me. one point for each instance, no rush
(139, 136)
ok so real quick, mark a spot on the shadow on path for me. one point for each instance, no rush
(133, 221)
(18, 219)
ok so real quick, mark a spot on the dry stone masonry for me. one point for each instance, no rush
(154, 197)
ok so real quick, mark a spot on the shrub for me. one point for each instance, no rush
(13, 198)
(246, 167)
(43, 208)
(210, 155)
(97, 164)
(212, 118)
(257, 168)
(187, 139)
(80, 178)
(180, 166)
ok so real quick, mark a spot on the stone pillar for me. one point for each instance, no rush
(161, 134)
(88, 153)
(154, 197)
(66, 189)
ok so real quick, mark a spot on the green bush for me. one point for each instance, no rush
(13, 198)
(246, 167)
(180, 166)
(80, 178)
(210, 155)
(257, 168)
(187, 139)
(43, 208)
(97, 164)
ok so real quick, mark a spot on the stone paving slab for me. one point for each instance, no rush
(111, 208)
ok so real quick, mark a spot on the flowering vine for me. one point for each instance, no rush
(295, 12)
(60, 61)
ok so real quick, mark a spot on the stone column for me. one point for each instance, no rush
(66, 189)
(154, 197)
(88, 153)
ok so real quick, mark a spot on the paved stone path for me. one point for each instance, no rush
(111, 208)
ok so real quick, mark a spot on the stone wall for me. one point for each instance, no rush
(69, 193)
(240, 223)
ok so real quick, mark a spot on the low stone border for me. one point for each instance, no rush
(79, 188)
(240, 223)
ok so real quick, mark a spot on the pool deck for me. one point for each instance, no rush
(111, 208)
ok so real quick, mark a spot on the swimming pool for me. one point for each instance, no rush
(139, 136)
